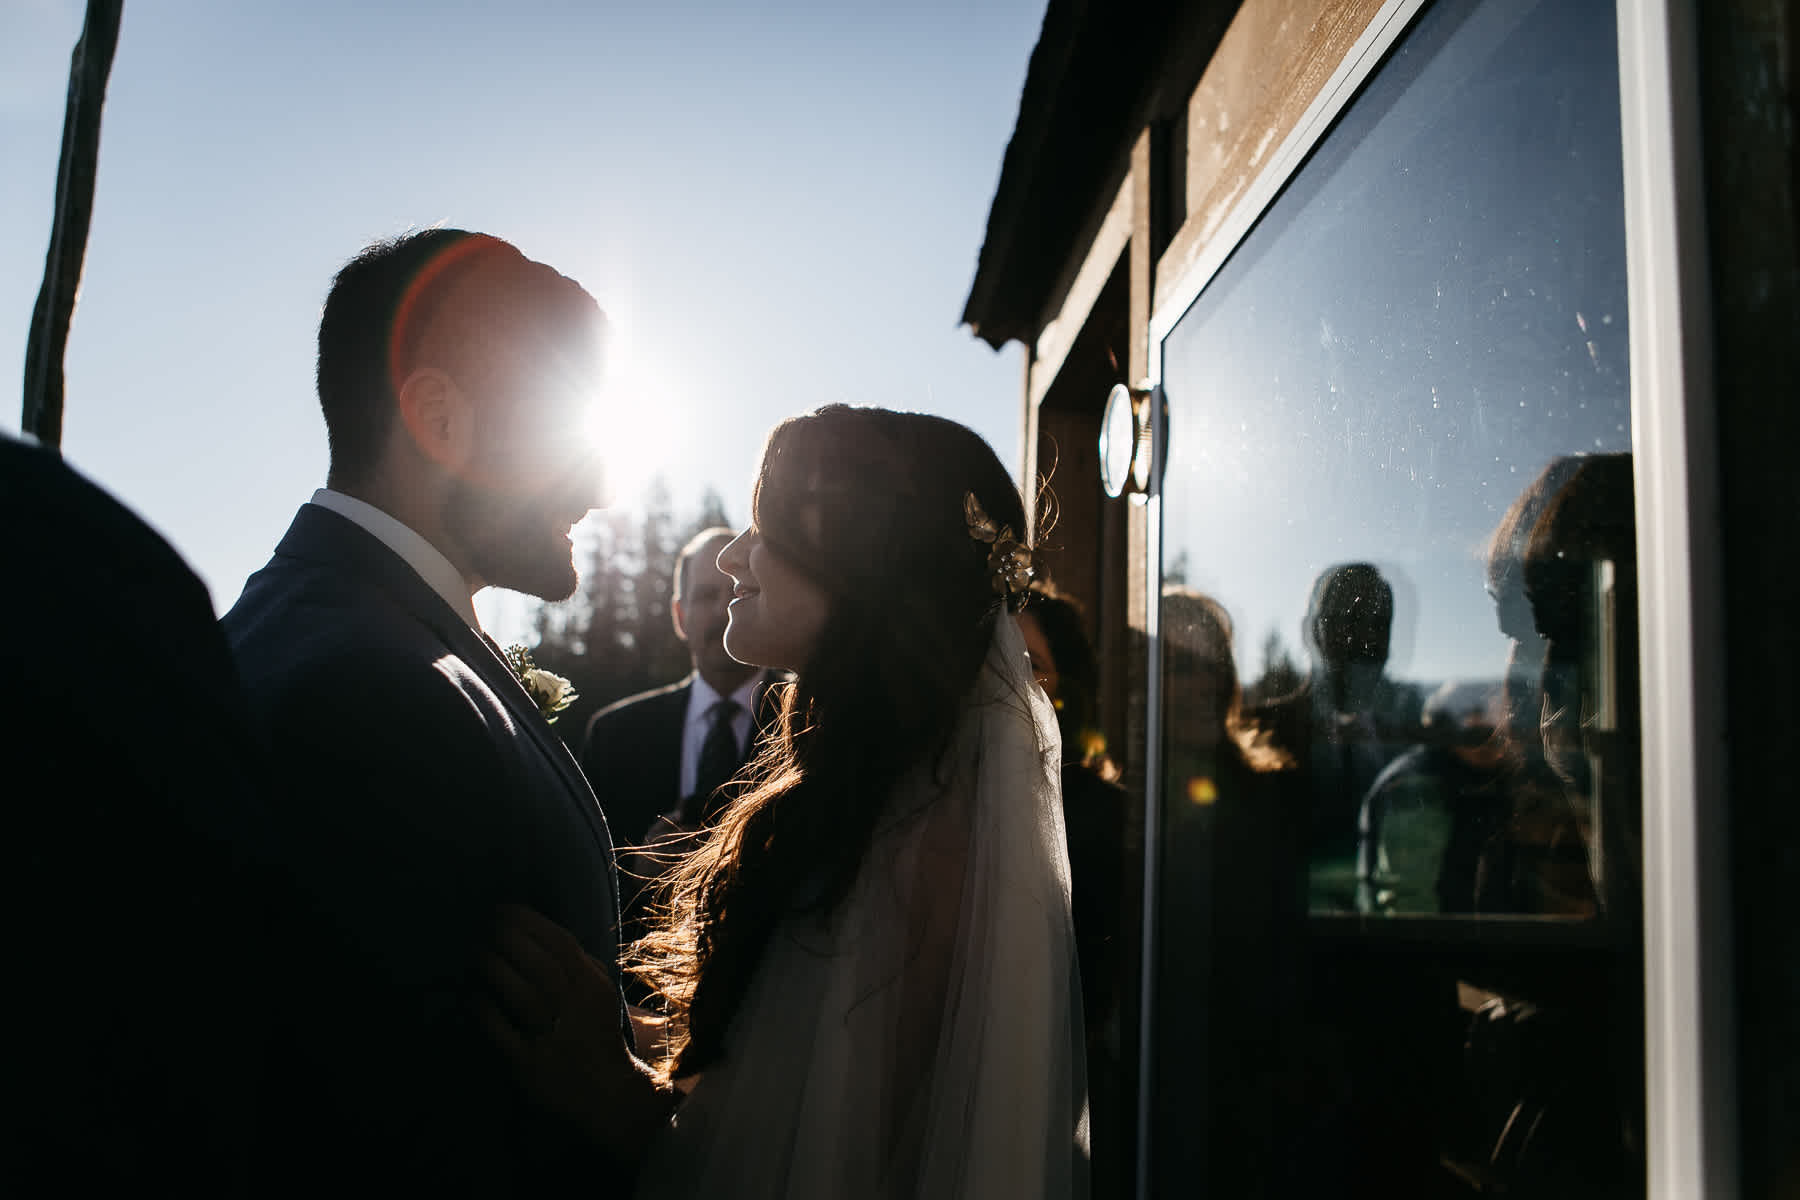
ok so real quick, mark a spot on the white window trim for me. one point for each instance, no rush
(1689, 1058)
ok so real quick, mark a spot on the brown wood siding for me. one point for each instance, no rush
(1273, 62)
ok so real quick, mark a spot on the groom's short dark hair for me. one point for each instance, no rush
(362, 313)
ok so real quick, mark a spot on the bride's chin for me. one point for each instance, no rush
(739, 648)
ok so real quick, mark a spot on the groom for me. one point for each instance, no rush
(420, 785)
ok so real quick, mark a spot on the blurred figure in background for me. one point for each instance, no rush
(665, 754)
(1234, 833)
(1094, 818)
(1062, 658)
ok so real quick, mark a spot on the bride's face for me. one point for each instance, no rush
(777, 613)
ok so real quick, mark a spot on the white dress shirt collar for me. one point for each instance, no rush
(701, 698)
(426, 560)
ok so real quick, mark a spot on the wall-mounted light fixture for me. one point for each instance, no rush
(1131, 437)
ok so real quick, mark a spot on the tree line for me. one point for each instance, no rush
(614, 636)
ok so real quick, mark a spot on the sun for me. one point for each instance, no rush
(632, 423)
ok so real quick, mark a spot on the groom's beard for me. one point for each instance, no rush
(521, 544)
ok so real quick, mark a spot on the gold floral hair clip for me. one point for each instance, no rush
(1009, 560)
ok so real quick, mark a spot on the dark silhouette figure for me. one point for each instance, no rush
(1094, 804)
(1230, 917)
(1333, 728)
(1094, 820)
(141, 910)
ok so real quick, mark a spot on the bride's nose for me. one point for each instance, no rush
(735, 557)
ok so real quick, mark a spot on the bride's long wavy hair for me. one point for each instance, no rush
(869, 504)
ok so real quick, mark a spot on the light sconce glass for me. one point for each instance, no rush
(1129, 443)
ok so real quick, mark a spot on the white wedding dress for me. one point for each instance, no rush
(924, 1040)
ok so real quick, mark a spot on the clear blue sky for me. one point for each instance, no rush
(778, 204)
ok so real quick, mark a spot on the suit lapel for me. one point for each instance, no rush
(486, 659)
(320, 535)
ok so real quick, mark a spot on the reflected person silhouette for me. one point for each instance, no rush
(1562, 572)
(1332, 726)
(1425, 815)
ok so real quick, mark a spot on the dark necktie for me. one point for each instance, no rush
(718, 762)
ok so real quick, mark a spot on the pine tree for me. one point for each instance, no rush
(614, 637)
(1280, 676)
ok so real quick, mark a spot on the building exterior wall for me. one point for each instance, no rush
(1184, 178)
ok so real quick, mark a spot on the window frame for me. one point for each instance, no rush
(1689, 1060)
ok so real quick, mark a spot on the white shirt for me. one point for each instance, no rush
(424, 558)
(701, 698)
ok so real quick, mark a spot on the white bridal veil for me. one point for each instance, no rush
(925, 1039)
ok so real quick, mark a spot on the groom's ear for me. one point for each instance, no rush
(438, 416)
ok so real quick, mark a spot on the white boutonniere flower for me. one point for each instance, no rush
(551, 692)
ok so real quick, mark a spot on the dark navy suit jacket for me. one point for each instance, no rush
(633, 750)
(420, 788)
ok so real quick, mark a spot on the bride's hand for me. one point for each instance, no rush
(554, 1013)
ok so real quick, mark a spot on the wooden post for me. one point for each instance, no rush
(89, 67)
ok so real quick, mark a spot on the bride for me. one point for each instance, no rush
(865, 965)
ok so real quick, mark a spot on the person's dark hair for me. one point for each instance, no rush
(1059, 616)
(869, 504)
(1350, 615)
(377, 319)
(1505, 567)
(694, 546)
(1198, 634)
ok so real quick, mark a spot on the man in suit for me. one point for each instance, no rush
(662, 755)
(424, 787)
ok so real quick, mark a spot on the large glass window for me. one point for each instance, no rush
(1399, 755)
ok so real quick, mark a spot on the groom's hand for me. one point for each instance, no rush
(554, 1013)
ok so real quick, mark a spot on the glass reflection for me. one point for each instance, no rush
(1396, 926)
(1362, 397)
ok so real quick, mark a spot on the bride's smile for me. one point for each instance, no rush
(776, 610)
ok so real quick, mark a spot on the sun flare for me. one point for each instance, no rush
(630, 425)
